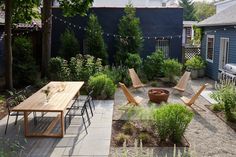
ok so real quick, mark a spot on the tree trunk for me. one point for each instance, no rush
(47, 32)
(7, 46)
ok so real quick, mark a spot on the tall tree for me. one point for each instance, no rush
(70, 8)
(130, 39)
(188, 8)
(204, 10)
(7, 44)
(94, 42)
(15, 11)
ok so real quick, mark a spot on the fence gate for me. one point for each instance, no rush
(189, 52)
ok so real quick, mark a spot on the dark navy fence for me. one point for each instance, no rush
(154, 22)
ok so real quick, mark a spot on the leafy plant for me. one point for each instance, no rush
(24, 65)
(76, 67)
(133, 61)
(130, 36)
(58, 69)
(118, 74)
(171, 120)
(226, 95)
(172, 68)
(218, 107)
(144, 137)
(94, 42)
(153, 64)
(69, 44)
(102, 85)
(121, 138)
(128, 128)
(195, 62)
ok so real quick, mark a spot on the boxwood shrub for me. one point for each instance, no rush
(102, 85)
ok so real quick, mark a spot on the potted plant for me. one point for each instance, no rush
(196, 65)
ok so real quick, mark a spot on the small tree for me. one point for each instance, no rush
(24, 65)
(69, 44)
(129, 34)
(189, 11)
(95, 44)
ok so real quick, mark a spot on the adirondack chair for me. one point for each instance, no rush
(135, 79)
(191, 101)
(182, 84)
(131, 99)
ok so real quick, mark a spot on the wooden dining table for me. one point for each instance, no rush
(60, 95)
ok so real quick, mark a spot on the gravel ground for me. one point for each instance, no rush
(208, 135)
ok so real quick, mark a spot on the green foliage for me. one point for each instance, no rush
(58, 69)
(154, 84)
(171, 120)
(25, 11)
(128, 128)
(95, 44)
(197, 35)
(69, 44)
(76, 68)
(195, 62)
(73, 7)
(204, 10)
(90, 66)
(144, 137)
(218, 107)
(226, 95)
(121, 138)
(24, 65)
(133, 61)
(172, 68)
(129, 30)
(188, 7)
(102, 85)
(153, 64)
(118, 74)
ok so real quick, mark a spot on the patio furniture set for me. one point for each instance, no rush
(64, 98)
(159, 95)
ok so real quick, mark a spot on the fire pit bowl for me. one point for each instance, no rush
(158, 95)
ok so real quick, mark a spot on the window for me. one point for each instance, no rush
(188, 32)
(210, 48)
(164, 45)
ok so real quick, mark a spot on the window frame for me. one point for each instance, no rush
(213, 48)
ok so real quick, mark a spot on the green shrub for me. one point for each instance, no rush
(94, 42)
(82, 67)
(172, 68)
(133, 61)
(69, 46)
(121, 138)
(226, 95)
(58, 69)
(118, 74)
(218, 107)
(154, 84)
(195, 62)
(153, 64)
(171, 120)
(144, 136)
(24, 65)
(128, 128)
(102, 85)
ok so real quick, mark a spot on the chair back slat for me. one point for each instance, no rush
(134, 78)
(11, 102)
(194, 98)
(127, 93)
(183, 80)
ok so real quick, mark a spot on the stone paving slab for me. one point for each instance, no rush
(75, 142)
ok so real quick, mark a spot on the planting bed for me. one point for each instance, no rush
(130, 132)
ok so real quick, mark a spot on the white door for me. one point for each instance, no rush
(224, 50)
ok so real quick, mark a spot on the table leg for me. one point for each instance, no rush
(26, 124)
(62, 124)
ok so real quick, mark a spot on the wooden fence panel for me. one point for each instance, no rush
(189, 52)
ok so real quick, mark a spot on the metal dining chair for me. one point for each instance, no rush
(78, 111)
